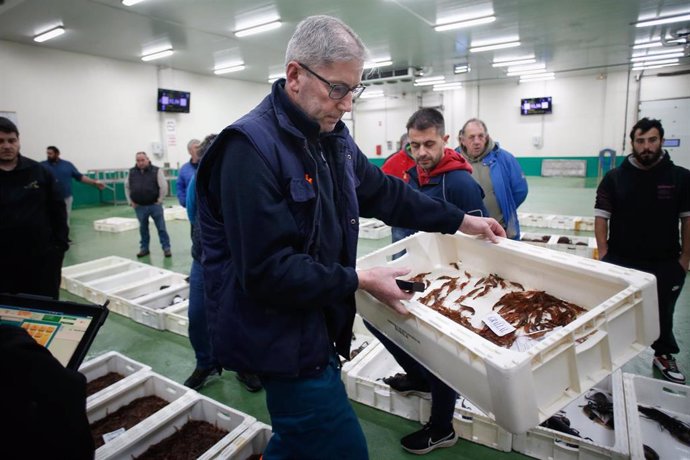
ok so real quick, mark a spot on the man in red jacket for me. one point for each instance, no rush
(402, 160)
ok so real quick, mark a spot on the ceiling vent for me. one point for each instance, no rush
(378, 76)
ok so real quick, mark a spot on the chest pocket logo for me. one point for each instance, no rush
(665, 192)
(301, 190)
(33, 185)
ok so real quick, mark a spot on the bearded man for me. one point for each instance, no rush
(643, 199)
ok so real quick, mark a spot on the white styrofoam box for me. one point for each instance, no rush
(151, 280)
(140, 385)
(175, 213)
(177, 319)
(115, 224)
(532, 219)
(373, 229)
(579, 245)
(145, 302)
(671, 398)
(561, 222)
(537, 239)
(595, 441)
(520, 389)
(364, 384)
(97, 290)
(108, 362)
(162, 426)
(253, 441)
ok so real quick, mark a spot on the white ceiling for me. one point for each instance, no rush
(568, 35)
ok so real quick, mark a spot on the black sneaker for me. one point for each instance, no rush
(143, 253)
(250, 381)
(427, 439)
(200, 376)
(167, 253)
(668, 368)
(406, 386)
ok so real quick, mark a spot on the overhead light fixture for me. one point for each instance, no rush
(520, 68)
(52, 33)
(659, 66)
(655, 62)
(461, 68)
(429, 81)
(258, 28)
(655, 57)
(640, 46)
(447, 86)
(157, 55)
(379, 63)
(672, 49)
(509, 63)
(464, 23)
(525, 72)
(667, 20)
(372, 94)
(222, 70)
(495, 46)
(275, 76)
(509, 60)
(539, 77)
(131, 2)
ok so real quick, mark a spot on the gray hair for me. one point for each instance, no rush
(323, 40)
(473, 120)
(192, 142)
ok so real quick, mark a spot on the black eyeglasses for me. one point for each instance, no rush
(337, 91)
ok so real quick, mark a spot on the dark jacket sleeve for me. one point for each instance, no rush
(57, 212)
(264, 239)
(44, 404)
(465, 193)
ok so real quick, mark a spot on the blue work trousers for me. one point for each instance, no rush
(155, 211)
(198, 328)
(312, 418)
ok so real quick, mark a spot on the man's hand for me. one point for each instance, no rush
(100, 185)
(486, 226)
(380, 282)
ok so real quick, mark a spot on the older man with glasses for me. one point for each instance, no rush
(280, 193)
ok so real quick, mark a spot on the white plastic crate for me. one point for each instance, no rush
(533, 220)
(106, 363)
(603, 443)
(175, 213)
(373, 229)
(584, 224)
(537, 239)
(177, 319)
(115, 224)
(145, 301)
(561, 222)
(556, 221)
(161, 426)
(671, 398)
(579, 245)
(97, 290)
(71, 275)
(253, 441)
(520, 389)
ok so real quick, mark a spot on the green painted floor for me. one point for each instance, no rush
(171, 355)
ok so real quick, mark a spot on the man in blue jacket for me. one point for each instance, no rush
(498, 172)
(280, 193)
(187, 171)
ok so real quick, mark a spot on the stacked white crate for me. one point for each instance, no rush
(521, 389)
(115, 224)
(579, 245)
(253, 441)
(373, 229)
(672, 399)
(175, 212)
(106, 363)
(147, 302)
(364, 384)
(537, 239)
(177, 319)
(595, 442)
(557, 221)
(75, 277)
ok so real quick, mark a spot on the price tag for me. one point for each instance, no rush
(107, 437)
(497, 324)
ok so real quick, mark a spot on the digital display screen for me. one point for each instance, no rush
(173, 101)
(671, 143)
(536, 106)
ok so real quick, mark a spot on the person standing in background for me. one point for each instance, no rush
(397, 164)
(64, 171)
(187, 171)
(636, 214)
(146, 188)
(33, 221)
(497, 171)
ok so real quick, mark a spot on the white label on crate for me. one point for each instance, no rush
(497, 324)
(107, 437)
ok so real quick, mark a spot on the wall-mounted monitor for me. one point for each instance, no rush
(170, 100)
(536, 106)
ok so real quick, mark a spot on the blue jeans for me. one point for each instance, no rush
(312, 418)
(198, 328)
(443, 397)
(155, 211)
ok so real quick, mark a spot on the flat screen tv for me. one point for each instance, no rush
(170, 100)
(536, 106)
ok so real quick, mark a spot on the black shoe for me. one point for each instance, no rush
(406, 386)
(250, 381)
(200, 376)
(427, 439)
(143, 253)
(167, 253)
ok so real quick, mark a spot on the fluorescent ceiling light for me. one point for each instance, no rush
(371, 94)
(461, 68)
(258, 29)
(464, 23)
(540, 77)
(497, 46)
(228, 69)
(131, 2)
(657, 57)
(673, 49)
(52, 33)
(512, 58)
(640, 46)
(157, 55)
(667, 20)
(374, 64)
(447, 86)
(276, 76)
(430, 79)
(647, 67)
(509, 63)
(520, 68)
(525, 72)
(657, 62)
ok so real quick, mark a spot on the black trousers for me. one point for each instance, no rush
(33, 274)
(670, 278)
